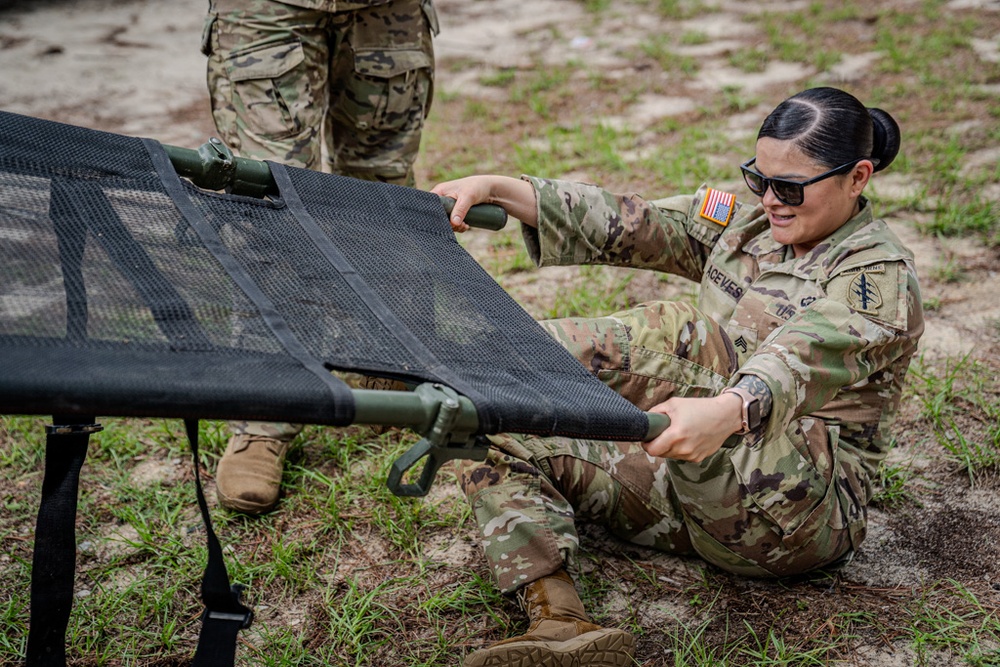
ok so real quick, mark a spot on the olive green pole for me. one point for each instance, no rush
(214, 167)
(412, 410)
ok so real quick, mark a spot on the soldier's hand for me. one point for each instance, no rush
(698, 427)
(515, 196)
(467, 192)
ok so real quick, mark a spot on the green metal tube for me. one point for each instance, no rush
(214, 167)
(658, 423)
(407, 409)
(483, 216)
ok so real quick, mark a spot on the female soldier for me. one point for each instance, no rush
(807, 317)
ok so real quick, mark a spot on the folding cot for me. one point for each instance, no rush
(138, 279)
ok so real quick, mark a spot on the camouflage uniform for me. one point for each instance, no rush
(830, 333)
(285, 77)
(291, 81)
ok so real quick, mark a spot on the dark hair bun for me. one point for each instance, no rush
(885, 138)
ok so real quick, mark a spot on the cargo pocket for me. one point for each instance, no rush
(430, 13)
(390, 85)
(262, 79)
(854, 491)
(781, 484)
(206, 34)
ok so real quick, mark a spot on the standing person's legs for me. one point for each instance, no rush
(268, 69)
(381, 86)
(267, 74)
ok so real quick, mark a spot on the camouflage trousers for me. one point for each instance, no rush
(288, 83)
(769, 509)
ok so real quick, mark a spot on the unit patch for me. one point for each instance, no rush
(718, 206)
(873, 290)
(863, 294)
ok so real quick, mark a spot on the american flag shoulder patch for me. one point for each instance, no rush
(718, 206)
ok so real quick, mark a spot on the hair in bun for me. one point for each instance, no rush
(833, 128)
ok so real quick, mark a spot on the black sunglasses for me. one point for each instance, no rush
(788, 192)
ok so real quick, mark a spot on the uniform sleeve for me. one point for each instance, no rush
(833, 344)
(584, 224)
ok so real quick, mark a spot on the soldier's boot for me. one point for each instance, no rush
(560, 634)
(248, 477)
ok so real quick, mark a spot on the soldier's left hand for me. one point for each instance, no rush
(698, 427)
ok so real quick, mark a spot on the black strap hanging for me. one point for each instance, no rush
(224, 614)
(54, 560)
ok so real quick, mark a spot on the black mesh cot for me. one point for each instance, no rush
(128, 290)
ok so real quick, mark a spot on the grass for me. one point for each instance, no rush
(959, 399)
(345, 573)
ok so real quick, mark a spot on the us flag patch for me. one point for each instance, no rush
(718, 206)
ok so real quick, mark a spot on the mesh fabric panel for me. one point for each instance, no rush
(125, 290)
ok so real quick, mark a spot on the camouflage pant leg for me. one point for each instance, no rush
(381, 91)
(650, 353)
(282, 77)
(760, 511)
(530, 493)
(268, 66)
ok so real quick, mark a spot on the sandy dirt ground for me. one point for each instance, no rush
(134, 67)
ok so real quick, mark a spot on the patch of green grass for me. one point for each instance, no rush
(892, 485)
(959, 401)
(949, 617)
(975, 215)
(750, 60)
(500, 78)
(598, 289)
(659, 48)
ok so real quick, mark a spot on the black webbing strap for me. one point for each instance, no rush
(376, 306)
(341, 399)
(224, 614)
(53, 564)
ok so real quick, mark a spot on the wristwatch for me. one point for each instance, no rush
(751, 409)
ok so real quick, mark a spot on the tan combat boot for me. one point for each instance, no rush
(560, 634)
(248, 477)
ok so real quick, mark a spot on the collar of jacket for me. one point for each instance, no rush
(810, 265)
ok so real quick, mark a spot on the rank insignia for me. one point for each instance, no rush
(718, 206)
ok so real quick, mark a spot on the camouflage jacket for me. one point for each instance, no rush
(831, 333)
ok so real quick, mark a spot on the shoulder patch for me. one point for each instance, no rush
(873, 290)
(718, 206)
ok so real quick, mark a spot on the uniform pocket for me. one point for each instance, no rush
(206, 33)
(390, 86)
(780, 483)
(262, 79)
(427, 6)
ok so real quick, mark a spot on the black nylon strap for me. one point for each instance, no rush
(342, 399)
(54, 559)
(372, 300)
(173, 315)
(224, 614)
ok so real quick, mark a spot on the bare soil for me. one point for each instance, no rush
(134, 67)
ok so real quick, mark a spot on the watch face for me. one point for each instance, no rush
(753, 414)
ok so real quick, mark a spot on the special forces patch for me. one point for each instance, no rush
(873, 290)
(863, 293)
